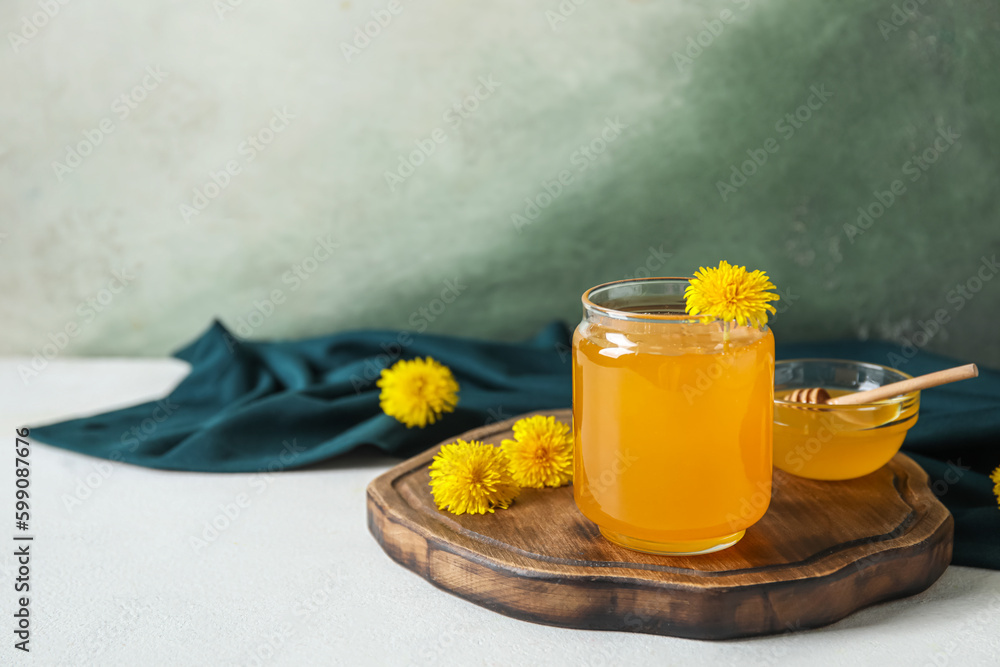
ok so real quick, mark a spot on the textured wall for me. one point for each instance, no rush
(300, 120)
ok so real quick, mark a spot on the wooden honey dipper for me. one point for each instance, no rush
(819, 396)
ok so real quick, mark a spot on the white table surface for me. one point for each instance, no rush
(297, 579)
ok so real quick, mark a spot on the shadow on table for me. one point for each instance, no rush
(363, 456)
(955, 584)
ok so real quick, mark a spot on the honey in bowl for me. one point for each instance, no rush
(833, 442)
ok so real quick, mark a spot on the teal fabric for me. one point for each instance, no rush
(253, 406)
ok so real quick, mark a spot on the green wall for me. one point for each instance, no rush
(676, 121)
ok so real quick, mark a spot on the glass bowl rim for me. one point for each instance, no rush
(813, 360)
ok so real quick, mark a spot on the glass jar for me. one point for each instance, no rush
(672, 420)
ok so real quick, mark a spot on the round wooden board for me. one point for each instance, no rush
(822, 551)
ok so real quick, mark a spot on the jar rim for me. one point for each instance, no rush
(615, 313)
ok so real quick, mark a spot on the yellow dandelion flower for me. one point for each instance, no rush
(996, 484)
(541, 453)
(730, 293)
(417, 392)
(471, 477)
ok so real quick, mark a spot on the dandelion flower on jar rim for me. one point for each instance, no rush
(541, 453)
(730, 293)
(417, 392)
(471, 478)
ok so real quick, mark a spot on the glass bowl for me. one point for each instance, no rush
(838, 441)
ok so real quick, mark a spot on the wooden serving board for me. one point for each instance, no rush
(822, 551)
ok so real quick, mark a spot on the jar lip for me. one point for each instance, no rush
(614, 313)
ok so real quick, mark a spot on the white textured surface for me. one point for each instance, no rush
(117, 582)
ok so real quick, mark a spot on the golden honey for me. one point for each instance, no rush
(839, 442)
(672, 426)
